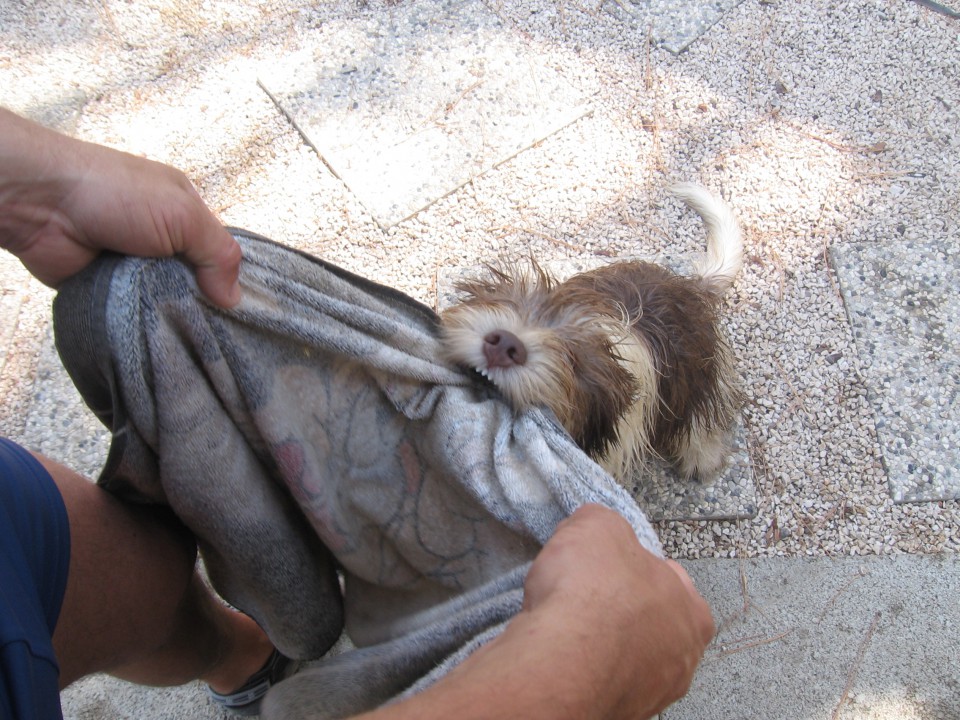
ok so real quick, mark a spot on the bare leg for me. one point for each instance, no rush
(135, 606)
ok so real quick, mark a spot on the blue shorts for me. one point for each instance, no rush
(34, 561)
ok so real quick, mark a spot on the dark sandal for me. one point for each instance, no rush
(245, 700)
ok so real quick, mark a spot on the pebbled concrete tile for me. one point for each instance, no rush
(673, 24)
(948, 8)
(902, 305)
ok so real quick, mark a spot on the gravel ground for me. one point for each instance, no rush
(821, 121)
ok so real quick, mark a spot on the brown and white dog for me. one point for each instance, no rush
(629, 357)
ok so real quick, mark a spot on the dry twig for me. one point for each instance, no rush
(505, 230)
(852, 675)
(838, 593)
(743, 589)
(746, 644)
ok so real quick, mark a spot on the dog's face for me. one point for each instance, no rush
(544, 342)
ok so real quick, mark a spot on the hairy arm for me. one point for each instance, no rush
(63, 201)
(607, 630)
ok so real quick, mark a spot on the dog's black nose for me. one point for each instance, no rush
(503, 349)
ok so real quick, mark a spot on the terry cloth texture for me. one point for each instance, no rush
(313, 429)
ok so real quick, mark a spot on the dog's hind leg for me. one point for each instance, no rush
(704, 454)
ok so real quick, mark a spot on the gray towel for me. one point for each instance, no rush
(336, 473)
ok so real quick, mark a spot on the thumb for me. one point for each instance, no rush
(217, 267)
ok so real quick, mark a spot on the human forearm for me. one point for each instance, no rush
(35, 172)
(27, 150)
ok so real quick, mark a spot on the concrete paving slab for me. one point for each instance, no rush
(407, 106)
(662, 494)
(851, 638)
(905, 314)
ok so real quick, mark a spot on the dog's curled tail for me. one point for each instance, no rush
(724, 257)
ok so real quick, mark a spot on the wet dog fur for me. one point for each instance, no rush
(629, 357)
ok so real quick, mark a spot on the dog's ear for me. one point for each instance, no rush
(605, 392)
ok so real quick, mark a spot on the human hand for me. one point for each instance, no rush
(635, 623)
(63, 201)
(607, 630)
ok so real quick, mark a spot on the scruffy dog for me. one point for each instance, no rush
(629, 357)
